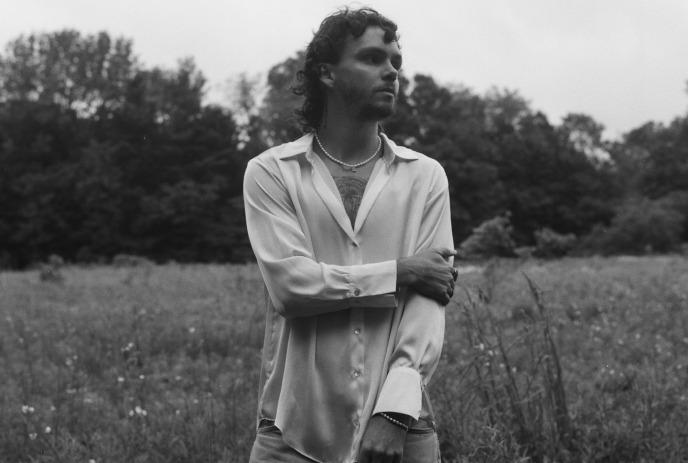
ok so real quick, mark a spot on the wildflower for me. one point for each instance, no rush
(27, 409)
(128, 347)
(142, 377)
(481, 347)
(177, 412)
(120, 379)
(138, 411)
(192, 330)
(48, 429)
(177, 378)
(91, 461)
(33, 435)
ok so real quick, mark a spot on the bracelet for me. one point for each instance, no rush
(393, 421)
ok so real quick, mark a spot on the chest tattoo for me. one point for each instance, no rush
(351, 190)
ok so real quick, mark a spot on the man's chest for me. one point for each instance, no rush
(378, 213)
(351, 186)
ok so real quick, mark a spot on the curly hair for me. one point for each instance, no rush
(327, 46)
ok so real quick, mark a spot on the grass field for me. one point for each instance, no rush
(160, 363)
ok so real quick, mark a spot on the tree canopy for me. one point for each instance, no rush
(101, 156)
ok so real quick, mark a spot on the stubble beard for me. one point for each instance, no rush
(362, 105)
(372, 111)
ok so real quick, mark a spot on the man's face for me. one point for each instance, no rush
(366, 76)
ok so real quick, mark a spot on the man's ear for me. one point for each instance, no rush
(326, 75)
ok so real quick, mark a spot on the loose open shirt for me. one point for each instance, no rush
(342, 342)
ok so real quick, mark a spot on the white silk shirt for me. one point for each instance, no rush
(342, 342)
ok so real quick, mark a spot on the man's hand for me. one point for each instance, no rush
(429, 274)
(383, 442)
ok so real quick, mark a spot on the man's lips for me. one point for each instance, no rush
(390, 90)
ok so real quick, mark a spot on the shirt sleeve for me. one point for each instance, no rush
(420, 335)
(298, 285)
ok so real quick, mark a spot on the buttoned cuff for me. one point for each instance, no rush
(401, 393)
(379, 278)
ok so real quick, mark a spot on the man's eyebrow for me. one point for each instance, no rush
(375, 49)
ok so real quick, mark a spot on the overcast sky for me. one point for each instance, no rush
(624, 62)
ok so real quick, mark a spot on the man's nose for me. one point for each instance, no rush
(391, 72)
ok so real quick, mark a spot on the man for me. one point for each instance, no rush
(353, 239)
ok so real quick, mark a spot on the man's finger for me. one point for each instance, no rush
(446, 252)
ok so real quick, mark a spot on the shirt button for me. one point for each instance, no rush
(356, 373)
(357, 331)
(354, 244)
(357, 292)
(356, 422)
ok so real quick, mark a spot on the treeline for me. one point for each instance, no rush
(101, 156)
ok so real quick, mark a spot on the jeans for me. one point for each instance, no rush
(421, 446)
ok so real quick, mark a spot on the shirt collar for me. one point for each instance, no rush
(304, 146)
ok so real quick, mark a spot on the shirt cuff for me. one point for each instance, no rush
(401, 393)
(379, 278)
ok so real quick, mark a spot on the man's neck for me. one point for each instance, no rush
(347, 140)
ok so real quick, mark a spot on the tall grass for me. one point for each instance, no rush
(572, 360)
(589, 364)
(515, 374)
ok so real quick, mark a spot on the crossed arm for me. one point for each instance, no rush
(299, 285)
(419, 337)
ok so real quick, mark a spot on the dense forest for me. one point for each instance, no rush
(102, 156)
